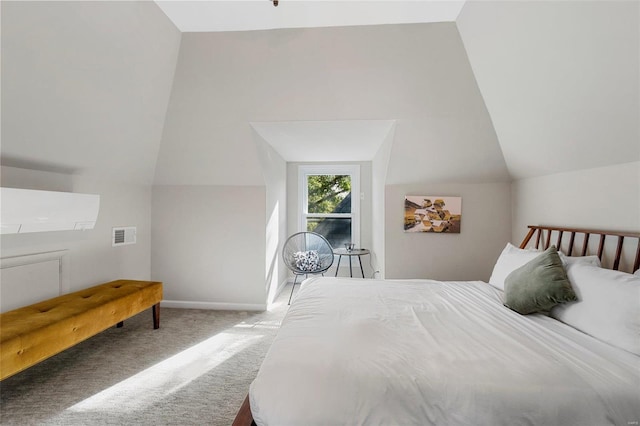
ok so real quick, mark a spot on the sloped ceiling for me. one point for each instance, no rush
(85, 86)
(328, 141)
(560, 80)
(416, 74)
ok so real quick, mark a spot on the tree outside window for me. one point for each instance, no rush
(329, 206)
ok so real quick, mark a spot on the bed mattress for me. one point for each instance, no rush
(422, 352)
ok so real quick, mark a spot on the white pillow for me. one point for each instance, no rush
(510, 259)
(608, 306)
(569, 260)
(307, 261)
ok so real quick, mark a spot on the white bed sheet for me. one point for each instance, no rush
(421, 352)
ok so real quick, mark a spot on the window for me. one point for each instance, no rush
(330, 202)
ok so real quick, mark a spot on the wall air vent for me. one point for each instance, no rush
(123, 236)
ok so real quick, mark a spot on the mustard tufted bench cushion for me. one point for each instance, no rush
(34, 333)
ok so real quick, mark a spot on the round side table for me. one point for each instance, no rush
(350, 253)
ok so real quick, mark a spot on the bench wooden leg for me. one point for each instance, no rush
(120, 324)
(156, 316)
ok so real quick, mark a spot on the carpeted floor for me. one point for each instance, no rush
(194, 370)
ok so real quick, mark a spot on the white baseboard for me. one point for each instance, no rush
(213, 305)
(281, 287)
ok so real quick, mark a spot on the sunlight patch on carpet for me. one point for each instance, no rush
(165, 378)
(271, 325)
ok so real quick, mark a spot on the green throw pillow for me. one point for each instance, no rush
(538, 285)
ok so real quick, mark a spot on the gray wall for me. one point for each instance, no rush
(85, 86)
(469, 255)
(599, 198)
(379, 167)
(536, 91)
(560, 80)
(92, 259)
(603, 197)
(208, 245)
(274, 169)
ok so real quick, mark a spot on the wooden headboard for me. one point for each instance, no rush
(544, 237)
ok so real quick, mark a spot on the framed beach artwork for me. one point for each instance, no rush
(432, 213)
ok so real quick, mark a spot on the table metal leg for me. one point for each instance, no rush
(337, 267)
(350, 270)
(361, 270)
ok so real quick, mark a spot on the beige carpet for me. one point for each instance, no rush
(194, 370)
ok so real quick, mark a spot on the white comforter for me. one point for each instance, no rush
(374, 352)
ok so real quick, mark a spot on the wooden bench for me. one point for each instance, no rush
(34, 333)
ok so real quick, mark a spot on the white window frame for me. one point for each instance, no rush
(352, 170)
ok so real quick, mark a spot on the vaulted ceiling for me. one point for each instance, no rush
(85, 86)
(560, 80)
(415, 74)
(509, 90)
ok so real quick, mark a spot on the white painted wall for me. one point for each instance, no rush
(208, 245)
(85, 86)
(86, 82)
(207, 138)
(560, 80)
(379, 167)
(417, 74)
(274, 169)
(470, 255)
(443, 130)
(599, 198)
(92, 259)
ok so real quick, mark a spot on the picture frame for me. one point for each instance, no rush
(432, 214)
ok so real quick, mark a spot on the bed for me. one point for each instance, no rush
(424, 352)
